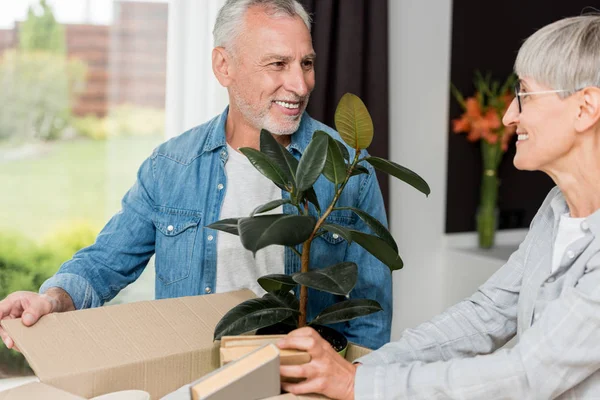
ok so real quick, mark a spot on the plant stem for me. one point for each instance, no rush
(306, 245)
(304, 289)
(336, 197)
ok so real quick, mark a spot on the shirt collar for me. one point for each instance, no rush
(216, 135)
(559, 207)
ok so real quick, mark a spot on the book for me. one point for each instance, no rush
(249, 340)
(286, 357)
(252, 377)
(234, 347)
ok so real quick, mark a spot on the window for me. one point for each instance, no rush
(82, 104)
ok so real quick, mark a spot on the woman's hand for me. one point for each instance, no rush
(327, 373)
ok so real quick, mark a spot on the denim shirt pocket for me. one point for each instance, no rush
(345, 219)
(176, 232)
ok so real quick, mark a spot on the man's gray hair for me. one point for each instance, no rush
(230, 20)
(563, 55)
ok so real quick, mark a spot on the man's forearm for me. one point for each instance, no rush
(60, 299)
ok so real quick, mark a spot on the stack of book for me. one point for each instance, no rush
(249, 369)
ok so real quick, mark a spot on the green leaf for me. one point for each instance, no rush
(378, 248)
(311, 196)
(377, 227)
(270, 206)
(335, 166)
(312, 162)
(359, 169)
(267, 167)
(353, 122)
(282, 229)
(400, 172)
(346, 311)
(270, 147)
(253, 314)
(229, 225)
(343, 149)
(458, 96)
(343, 232)
(337, 279)
(287, 299)
(277, 282)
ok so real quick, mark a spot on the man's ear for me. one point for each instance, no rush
(589, 109)
(222, 66)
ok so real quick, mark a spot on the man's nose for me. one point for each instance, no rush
(297, 81)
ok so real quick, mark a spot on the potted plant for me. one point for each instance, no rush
(482, 121)
(328, 156)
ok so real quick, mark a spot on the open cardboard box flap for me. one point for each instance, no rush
(157, 346)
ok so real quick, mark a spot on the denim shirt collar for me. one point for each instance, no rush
(216, 136)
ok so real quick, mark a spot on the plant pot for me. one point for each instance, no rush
(336, 339)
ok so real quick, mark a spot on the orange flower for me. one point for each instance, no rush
(472, 107)
(483, 120)
(492, 120)
(489, 136)
(461, 124)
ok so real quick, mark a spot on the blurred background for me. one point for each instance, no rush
(89, 87)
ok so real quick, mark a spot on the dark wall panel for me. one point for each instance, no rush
(350, 39)
(487, 36)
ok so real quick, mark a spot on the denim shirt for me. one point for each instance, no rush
(178, 192)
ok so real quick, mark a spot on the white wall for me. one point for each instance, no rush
(419, 52)
(440, 269)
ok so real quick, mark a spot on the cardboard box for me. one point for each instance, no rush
(156, 346)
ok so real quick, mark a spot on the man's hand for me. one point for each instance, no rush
(327, 373)
(30, 307)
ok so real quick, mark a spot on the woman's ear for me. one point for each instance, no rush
(221, 65)
(589, 109)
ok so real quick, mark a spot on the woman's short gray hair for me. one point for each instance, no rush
(230, 20)
(563, 55)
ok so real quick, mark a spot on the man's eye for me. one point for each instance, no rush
(278, 64)
(308, 64)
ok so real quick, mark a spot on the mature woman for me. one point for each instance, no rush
(547, 294)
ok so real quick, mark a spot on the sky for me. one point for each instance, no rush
(65, 11)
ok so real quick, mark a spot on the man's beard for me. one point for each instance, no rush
(265, 120)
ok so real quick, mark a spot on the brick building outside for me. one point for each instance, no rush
(126, 60)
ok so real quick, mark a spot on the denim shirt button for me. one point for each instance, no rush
(210, 238)
(335, 236)
(207, 290)
(220, 186)
(170, 228)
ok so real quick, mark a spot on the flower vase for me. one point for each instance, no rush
(487, 212)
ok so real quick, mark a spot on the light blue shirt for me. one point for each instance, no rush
(554, 314)
(179, 190)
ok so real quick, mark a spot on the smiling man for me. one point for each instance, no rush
(263, 55)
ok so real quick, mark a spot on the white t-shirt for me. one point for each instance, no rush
(569, 231)
(246, 189)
